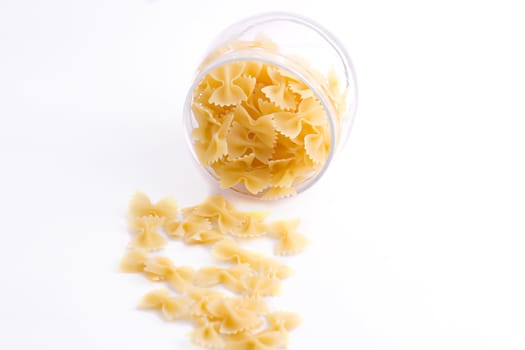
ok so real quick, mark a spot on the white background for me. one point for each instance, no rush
(417, 229)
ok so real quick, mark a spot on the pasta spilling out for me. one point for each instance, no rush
(259, 128)
(225, 304)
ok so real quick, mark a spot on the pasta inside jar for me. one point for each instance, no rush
(264, 121)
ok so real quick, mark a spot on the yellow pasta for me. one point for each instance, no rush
(133, 261)
(247, 171)
(282, 320)
(261, 285)
(162, 269)
(264, 340)
(142, 206)
(222, 320)
(234, 317)
(289, 240)
(228, 251)
(215, 145)
(191, 225)
(172, 307)
(202, 298)
(232, 278)
(278, 92)
(249, 135)
(207, 335)
(253, 225)
(278, 192)
(146, 235)
(220, 211)
(229, 93)
(251, 114)
(310, 111)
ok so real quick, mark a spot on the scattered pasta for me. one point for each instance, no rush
(237, 317)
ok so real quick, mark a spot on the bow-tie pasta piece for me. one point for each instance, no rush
(202, 298)
(316, 144)
(134, 261)
(192, 228)
(207, 335)
(233, 317)
(310, 111)
(255, 305)
(289, 240)
(247, 171)
(278, 192)
(248, 135)
(283, 320)
(264, 340)
(141, 205)
(215, 144)
(228, 251)
(301, 89)
(253, 225)
(274, 268)
(172, 307)
(232, 278)
(261, 285)
(230, 92)
(278, 91)
(162, 269)
(146, 234)
(246, 83)
(220, 212)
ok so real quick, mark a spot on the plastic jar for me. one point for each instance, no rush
(292, 50)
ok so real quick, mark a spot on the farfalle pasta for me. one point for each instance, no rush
(226, 304)
(207, 335)
(141, 205)
(172, 307)
(234, 316)
(252, 119)
(289, 240)
(162, 269)
(146, 232)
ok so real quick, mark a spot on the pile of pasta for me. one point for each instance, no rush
(259, 128)
(235, 317)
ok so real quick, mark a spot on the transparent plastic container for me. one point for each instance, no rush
(299, 47)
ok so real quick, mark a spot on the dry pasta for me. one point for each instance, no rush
(264, 340)
(237, 318)
(232, 278)
(133, 261)
(207, 335)
(248, 112)
(162, 269)
(282, 320)
(228, 251)
(234, 316)
(172, 307)
(141, 205)
(146, 235)
(289, 240)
